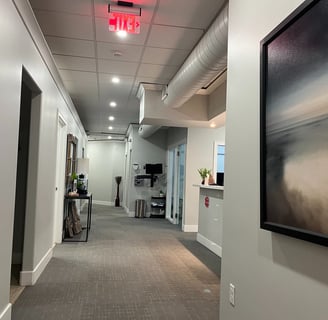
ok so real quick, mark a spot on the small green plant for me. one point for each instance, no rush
(74, 176)
(204, 172)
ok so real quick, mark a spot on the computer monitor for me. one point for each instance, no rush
(154, 168)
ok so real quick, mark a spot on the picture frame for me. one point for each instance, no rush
(294, 125)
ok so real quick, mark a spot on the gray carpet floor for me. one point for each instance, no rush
(129, 269)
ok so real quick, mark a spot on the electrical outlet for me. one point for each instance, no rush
(232, 294)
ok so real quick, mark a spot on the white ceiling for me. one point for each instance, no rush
(83, 48)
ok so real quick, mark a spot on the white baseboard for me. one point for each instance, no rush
(210, 245)
(6, 313)
(190, 227)
(103, 203)
(29, 278)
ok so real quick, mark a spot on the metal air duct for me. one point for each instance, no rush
(205, 62)
(146, 130)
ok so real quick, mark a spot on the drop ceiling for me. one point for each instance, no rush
(88, 55)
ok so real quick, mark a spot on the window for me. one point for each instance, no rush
(220, 158)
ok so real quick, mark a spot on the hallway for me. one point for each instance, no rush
(130, 269)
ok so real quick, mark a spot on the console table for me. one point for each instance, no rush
(67, 200)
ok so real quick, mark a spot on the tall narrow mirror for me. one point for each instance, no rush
(71, 164)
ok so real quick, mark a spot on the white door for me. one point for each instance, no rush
(60, 179)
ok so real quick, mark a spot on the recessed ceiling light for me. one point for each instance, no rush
(115, 80)
(111, 118)
(113, 104)
(109, 137)
(110, 128)
(212, 125)
(122, 33)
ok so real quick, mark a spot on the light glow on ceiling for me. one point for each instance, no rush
(122, 33)
(109, 137)
(111, 118)
(110, 128)
(116, 80)
(113, 104)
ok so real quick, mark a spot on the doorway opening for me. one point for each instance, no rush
(176, 184)
(25, 177)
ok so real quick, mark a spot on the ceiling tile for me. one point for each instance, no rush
(65, 25)
(106, 79)
(108, 94)
(85, 100)
(147, 9)
(133, 105)
(157, 71)
(173, 37)
(78, 76)
(117, 68)
(188, 13)
(117, 92)
(164, 56)
(120, 119)
(103, 34)
(75, 88)
(71, 47)
(130, 53)
(75, 63)
(82, 7)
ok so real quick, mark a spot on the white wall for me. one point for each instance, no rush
(276, 277)
(17, 50)
(106, 162)
(142, 151)
(199, 154)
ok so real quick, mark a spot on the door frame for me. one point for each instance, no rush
(60, 178)
(173, 186)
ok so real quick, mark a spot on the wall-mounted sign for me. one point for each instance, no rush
(207, 202)
(124, 22)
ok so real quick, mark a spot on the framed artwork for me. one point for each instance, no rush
(294, 125)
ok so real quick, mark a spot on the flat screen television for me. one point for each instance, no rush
(220, 178)
(156, 168)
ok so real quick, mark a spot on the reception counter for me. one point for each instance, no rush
(210, 217)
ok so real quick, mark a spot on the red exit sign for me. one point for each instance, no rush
(124, 22)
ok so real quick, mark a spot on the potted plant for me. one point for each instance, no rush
(204, 173)
(74, 181)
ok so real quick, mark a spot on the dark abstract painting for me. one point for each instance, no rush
(294, 125)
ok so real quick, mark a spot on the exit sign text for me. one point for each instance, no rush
(124, 22)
